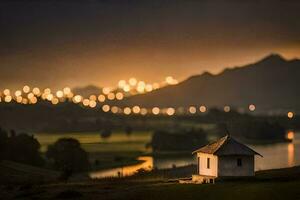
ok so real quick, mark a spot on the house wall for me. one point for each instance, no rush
(202, 168)
(227, 166)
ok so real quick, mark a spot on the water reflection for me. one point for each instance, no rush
(291, 155)
(146, 164)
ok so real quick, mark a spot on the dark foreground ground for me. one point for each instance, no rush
(270, 184)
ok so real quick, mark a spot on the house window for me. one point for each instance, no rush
(208, 163)
(239, 162)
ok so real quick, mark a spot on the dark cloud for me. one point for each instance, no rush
(56, 43)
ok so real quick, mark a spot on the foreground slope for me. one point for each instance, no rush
(269, 184)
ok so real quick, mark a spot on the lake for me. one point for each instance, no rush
(279, 155)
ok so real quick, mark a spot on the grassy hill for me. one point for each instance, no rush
(17, 173)
(269, 184)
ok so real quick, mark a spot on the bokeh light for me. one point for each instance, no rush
(92, 104)
(26, 89)
(105, 108)
(7, 98)
(290, 114)
(86, 102)
(111, 96)
(67, 90)
(170, 111)
(59, 94)
(252, 107)
(192, 109)
(106, 90)
(132, 81)
(119, 96)
(202, 109)
(226, 108)
(155, 110)
(77, 99)
(127, 110)
(136, 109)
(101, 98)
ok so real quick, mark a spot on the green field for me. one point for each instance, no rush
(92, 142)
(117, 150)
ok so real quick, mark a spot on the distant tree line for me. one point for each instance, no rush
(250, 130)
(255, 130)
(179, 140)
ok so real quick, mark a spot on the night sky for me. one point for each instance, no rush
(74, 43)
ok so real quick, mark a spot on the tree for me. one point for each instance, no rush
(106, 133)
(68, 156)
(3, 142)
(128, 130)
(23, 148)
(179, 140)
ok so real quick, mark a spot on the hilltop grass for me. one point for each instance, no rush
(270, 184)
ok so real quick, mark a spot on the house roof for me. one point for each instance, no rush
(227, 146)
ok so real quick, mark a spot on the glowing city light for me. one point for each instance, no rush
(149, 87)
(92, 104)
(77, 99)
(155, 110)
(47, 91)
(59, 94)
(30, 95)
(126, 88)
(119, 96)
(24, 101)
(171, 81)
(252, 107)
(114, 109)
(121, 83)
(105, 108)
(111, 96)
(54, 101)
(6, 92)
(127, 110)
(19, 99)
(144, 111)
(290, 135)
(86, 102)
(26, 89)
(136, 109)
(7, 99)
(170, 111)
(93, 98)
(101, 98)
(18, 93)
(33, 100)
(290, 115)
(67, 90)
(132, 81)
(49, 97)
(106, 90)
(226, 108)
(202, 109)
(192, 109)
(36, 91)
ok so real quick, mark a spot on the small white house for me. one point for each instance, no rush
(224, 158)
